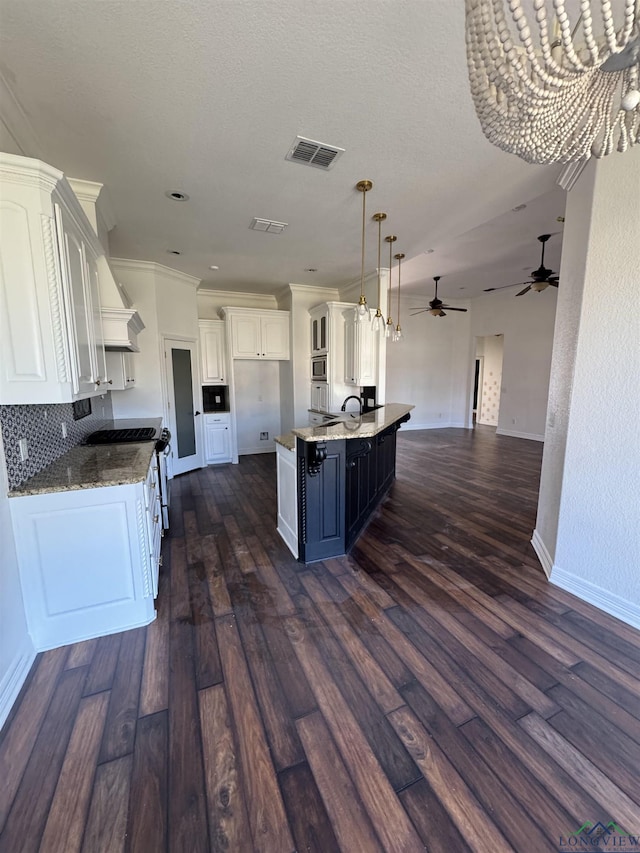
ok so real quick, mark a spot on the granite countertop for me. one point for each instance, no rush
(288, 441)
(360, 426)
(90, 467)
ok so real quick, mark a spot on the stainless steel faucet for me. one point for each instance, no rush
(343, 407)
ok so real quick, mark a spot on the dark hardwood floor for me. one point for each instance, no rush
(430, 691)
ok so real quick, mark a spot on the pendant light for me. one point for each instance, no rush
(377, 323)
(389, 329)
(362, 308)
(398, 333)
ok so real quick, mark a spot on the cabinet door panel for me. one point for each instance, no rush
(217, 442)
(275, 337)
(245, 337)
(79, 310)
(212, 353)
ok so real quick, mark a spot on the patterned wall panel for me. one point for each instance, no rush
(42, 428)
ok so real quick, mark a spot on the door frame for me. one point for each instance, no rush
(167, 394)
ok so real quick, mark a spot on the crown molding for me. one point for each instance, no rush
(17, 123)
(571, 172)
(97, 195)
(157, 269)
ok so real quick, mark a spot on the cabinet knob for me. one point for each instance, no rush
(155, 519)
(97, 382)
(109, 381)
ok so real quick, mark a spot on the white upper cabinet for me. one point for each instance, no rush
(212, 352)
(319, 329)
(51, 346)
(360, 350)
(121, 370)
(258, 334)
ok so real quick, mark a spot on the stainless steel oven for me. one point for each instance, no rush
(319, 368)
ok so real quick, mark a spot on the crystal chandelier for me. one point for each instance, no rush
(551, 89)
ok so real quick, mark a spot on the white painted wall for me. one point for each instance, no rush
(429, 368)
(16, 649)
(527, 324)
(597, 547)
(296, 386)
(167, 303)
(257, 395)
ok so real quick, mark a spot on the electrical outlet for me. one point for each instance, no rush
(264, 436)
(24, 450)
(63, 427)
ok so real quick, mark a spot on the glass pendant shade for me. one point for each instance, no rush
(378, 321)
(398, 332)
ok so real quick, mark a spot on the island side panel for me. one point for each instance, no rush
(321, 499)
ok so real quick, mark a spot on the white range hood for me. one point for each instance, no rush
(121, 323)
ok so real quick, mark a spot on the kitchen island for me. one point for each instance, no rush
(332, 477)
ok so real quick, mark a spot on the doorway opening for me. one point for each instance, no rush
(182, 404)
(488, 379)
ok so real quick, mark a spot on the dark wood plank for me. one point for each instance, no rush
(119, 731)
(26, 819)
(154, 690)
(23, 727)
(506, 811)
(148, 798)
(187, 814)
(81, 654)
(228, 820)
(389, 819)
(103, 666)
(342, 802)
(451, 789)
(107, 819)
(267, 819)
(609, 687)
(64, 829)
(430, 818)
(207, 660)
(310, 824)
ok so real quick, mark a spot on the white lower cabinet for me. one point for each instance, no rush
(89, 560)
(217, 438)
(287, 497)
(320, 396)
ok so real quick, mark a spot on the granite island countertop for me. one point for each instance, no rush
(90, 467)
(360, 426)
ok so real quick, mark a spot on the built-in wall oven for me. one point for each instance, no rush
(319, 368)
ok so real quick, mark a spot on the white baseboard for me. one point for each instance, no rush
(543, 554)
(532, 436)
(14, 678)
(613, 604)
(435, 425)
(249, 451)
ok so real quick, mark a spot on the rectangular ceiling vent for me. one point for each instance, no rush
(268, 225)
(312, 153)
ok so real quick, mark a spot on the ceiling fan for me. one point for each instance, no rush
(542, 277)
(436, 305)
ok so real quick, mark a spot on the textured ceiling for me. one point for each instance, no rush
(206, 96)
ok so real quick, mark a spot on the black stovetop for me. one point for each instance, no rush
(116, 436)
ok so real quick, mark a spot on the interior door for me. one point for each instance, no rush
(183, 395)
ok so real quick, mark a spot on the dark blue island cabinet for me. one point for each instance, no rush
(340, 484)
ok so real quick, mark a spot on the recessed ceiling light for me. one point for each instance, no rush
(214, 267)
(429, 251)
(463, 288)
(518, 208)
(173, 252)
(311, 269)
(176, 195)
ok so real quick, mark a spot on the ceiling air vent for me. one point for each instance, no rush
(312, 153)
(269, 225)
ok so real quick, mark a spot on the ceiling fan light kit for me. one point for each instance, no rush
(550, 89)
(436, 306)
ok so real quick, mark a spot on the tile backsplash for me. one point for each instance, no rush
(41, 426)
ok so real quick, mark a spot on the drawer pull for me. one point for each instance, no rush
(155, 519)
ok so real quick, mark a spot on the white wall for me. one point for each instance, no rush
(597, 547)
(527, 325)
(257, 394)
(210, 301)
(16, 649)
(429, 368)
(300, 298)
(167, 303)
